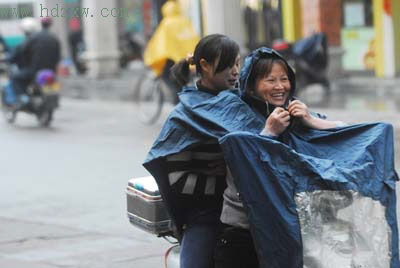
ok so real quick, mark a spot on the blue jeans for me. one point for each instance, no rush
(21, 80)
(198, 242)
(235, 249)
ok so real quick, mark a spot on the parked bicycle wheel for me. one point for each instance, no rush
(149, 98)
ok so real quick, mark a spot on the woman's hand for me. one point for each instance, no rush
(277, 122)
(300, 110)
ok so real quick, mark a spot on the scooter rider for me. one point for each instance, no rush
(44, 48)
(40, 51)
(21, 77)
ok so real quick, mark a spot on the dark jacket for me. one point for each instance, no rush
(44, 51)
(19, 56)
(198, 118)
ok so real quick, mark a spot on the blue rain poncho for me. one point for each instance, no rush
(314, 198)
(199, 117)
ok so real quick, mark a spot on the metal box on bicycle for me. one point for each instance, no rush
(145, 206)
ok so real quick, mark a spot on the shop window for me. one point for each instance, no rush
(262, 21)
(357, 13)
(358, 35)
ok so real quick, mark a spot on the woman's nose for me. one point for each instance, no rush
(279, 84)
(235, 69)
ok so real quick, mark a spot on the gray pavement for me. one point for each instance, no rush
(57, 236)
(62, 189)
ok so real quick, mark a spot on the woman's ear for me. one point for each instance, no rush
(205, 66)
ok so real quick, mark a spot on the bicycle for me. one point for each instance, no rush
(151, 92)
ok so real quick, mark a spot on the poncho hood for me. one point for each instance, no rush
(171, 8)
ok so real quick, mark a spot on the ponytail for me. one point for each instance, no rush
(180, 73)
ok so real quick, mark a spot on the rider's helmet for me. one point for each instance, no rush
(29, 25)
(46, 22)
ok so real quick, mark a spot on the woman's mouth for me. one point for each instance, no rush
(232, 82)
(278, 96)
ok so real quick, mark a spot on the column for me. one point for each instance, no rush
(224, 17)
(396, 35)
(191, 9)
(101, 37)
(387, 43)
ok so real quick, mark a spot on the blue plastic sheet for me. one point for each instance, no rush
(269, 173)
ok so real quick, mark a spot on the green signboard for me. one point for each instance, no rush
(359, 51)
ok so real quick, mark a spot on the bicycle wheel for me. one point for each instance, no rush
(149, 98)
(9, 112)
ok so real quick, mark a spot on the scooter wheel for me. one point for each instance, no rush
(9, 114)
(45, 118)
(8, 111)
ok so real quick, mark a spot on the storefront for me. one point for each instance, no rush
(358, 35)
(371, 36)
(366, 31)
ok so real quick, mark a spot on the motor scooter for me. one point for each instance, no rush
(309, 58)
(41, 100)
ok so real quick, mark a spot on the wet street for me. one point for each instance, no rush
(63, 189)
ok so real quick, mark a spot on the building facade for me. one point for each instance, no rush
(363, 35)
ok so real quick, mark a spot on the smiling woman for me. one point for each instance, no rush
(274, 84)
(268, 86)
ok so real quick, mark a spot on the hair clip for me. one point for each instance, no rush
(190, 59)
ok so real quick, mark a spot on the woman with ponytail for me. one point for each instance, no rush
(186, 159)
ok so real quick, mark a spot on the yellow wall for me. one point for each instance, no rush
(396, 28)
(378, 26)
(380, 32)
(292, 23)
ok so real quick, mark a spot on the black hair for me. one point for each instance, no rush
(210, 48)
(262, 68)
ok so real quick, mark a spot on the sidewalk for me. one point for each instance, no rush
(25, 243)
(368, 84)
(116, 88)
(121, 88)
